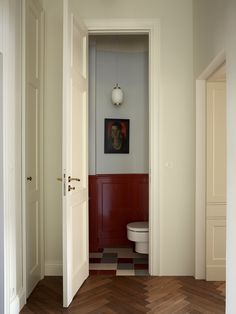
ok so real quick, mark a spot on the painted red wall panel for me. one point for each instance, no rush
(114, 201)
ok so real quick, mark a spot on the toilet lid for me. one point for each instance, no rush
(138, 226)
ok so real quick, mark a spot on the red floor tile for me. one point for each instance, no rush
(94, 260)
(125, 260)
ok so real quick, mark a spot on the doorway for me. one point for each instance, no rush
(118, 174)
(150, 28)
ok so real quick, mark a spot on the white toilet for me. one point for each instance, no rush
(138, 233)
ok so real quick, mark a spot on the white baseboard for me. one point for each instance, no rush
(22, 298)
(18, 302)
(53, 269)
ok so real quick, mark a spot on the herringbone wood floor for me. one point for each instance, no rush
(131, 295)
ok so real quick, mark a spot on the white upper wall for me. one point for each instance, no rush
(209, 31)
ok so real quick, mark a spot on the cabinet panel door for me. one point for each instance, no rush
(33, 92)
(216, 235)
(216, 142)
(216, 181)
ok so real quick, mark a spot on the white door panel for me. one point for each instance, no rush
(215, 210)
(216, 142)
(32, 141)
(75, 200)
(216, 181)
(216, 235)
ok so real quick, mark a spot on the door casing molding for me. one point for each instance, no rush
(200, 192)
(151, 27)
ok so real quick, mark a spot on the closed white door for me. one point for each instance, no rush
(33, 21)
(75, 147)
(216, 181)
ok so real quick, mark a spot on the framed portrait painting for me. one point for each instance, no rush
(116, 136)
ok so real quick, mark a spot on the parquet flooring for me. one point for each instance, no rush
(131, 295)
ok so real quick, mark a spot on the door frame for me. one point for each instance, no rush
(200, 192)
(41, 143)
(151, 27)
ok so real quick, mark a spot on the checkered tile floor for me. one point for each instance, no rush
(118, 262)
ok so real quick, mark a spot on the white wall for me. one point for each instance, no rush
(177, 117)
(209, 31)
(128, 67)
(215, 24)
(1, 191)
(53, 137)
(231, 152)
(1, 167)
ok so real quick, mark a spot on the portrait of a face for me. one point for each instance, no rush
(116, 136)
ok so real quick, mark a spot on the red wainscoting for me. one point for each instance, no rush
(114, 201)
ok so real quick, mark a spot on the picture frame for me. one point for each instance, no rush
(116, 136)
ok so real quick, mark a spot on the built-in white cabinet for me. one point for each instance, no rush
(33, 92)
(216, 181)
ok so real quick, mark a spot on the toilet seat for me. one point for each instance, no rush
(140, 226)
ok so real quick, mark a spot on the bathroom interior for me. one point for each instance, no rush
(118, 174)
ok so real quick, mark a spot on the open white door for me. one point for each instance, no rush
(75, 166)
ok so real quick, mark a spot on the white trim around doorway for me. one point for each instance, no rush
(152, 28)
(200, 199)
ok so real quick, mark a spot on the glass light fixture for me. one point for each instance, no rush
(117, 95)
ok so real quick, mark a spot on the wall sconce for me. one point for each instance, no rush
(117, 95)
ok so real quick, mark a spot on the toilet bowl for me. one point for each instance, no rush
(138, 233)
